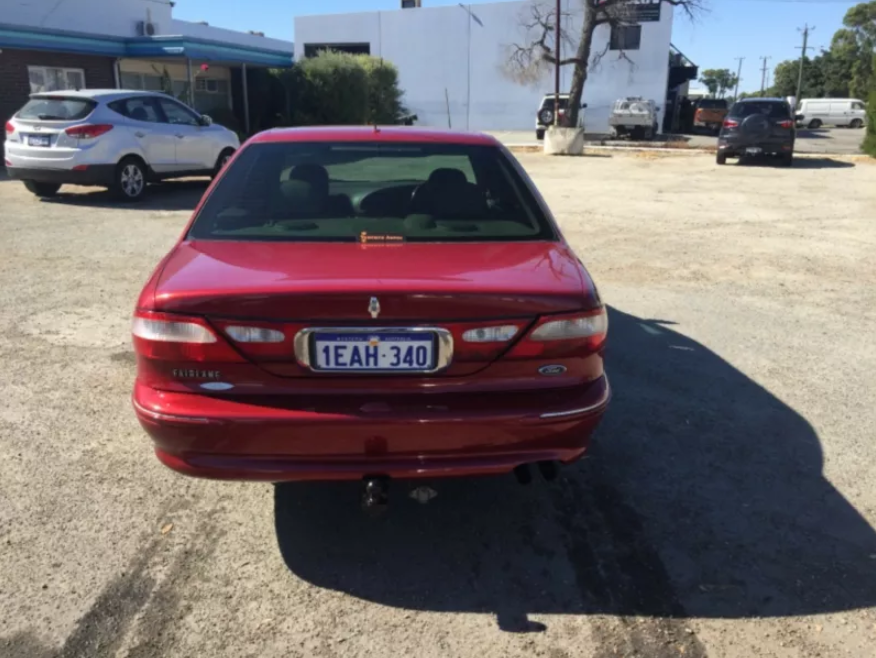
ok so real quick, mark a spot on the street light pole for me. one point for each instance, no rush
(557, 67)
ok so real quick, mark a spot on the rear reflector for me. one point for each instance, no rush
(786, 124)
(731, 123)
(88, 131)
(490, 334)
(255, 334)
(167, 337)
(9, 128)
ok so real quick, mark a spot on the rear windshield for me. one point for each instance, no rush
(57, 108)
(712, 104)
(370, 192)
(548, 103)
(777, 110)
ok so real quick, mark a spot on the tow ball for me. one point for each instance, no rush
(375, 494)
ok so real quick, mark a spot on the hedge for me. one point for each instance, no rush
(340, 89)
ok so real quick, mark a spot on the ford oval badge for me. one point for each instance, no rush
(552, 371)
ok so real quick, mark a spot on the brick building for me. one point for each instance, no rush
(46, 45)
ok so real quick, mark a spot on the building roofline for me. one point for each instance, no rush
(30, 38)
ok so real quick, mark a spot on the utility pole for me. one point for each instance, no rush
(557, 67)
(763, 76)
(806, 31)
(738, 78)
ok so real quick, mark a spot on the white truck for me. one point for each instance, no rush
(634, 117)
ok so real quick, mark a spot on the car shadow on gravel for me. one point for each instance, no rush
(169, 195)
(800, 162)
(703, 497)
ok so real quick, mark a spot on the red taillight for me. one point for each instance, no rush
(731, 123)
(564, 335)
(167, 337)
(88, 131)
(786, 124)
(9, 128)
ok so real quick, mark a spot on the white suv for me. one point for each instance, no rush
(544, 117)
(111, 138)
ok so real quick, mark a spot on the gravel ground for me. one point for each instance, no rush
(727, 508)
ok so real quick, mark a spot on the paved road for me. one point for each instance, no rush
(844, 141)
(727, 508)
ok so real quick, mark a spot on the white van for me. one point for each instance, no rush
(817, 112)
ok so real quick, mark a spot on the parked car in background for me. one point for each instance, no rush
(709, 114)
(354, 304)
(544, 117)
(817, 112)
(111, 138)
(634, 117)
(758, 127)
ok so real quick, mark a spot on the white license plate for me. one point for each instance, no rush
(753, 151)
(38, 140)
(379, 351)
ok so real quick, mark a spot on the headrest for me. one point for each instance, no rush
(448, 178)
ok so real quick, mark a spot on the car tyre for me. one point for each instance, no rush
(815, 124)
(130, 180)
(788, 160)
(42, 190)
(539, 134)
(856, 123)
(221, 161)
(721, 158)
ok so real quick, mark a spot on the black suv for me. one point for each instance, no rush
(758, 126)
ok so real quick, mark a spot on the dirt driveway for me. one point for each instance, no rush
(727, 509)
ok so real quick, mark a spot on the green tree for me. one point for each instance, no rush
(718, 81)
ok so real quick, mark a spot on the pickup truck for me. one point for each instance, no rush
(709, 113)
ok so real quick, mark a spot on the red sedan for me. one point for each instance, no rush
(352, 303)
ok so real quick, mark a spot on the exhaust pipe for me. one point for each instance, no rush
(523, 474)
(548, 470)
(375, 494)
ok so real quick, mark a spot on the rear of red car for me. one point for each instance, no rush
(351, 303)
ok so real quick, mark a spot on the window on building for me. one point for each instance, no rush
(626, 37)
(313, 49)
(50, 78)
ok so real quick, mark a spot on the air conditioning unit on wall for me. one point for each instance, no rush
(147, 29)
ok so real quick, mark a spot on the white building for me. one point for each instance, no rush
(47, 45)
(452, 60)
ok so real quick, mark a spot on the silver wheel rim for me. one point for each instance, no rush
(132, 180)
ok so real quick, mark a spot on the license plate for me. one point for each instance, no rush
(38, 140)
(379, 351)
(753, 151)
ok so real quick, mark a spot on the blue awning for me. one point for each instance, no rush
(26, 38)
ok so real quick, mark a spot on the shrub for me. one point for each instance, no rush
(869, 144)
(340, 89)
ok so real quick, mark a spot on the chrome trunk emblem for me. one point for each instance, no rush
(374, 308)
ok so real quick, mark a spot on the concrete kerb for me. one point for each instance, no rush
(531, 148)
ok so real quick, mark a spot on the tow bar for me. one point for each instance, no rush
(375, 494)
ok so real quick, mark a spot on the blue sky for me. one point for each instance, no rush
(730, 29)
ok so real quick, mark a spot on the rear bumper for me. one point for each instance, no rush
(732, 148)
(234, 439)
(91, 175)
